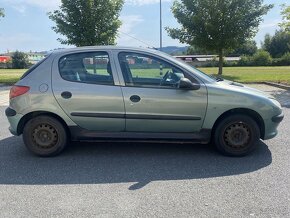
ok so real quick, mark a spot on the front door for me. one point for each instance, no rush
(84, 86)
(153, 101)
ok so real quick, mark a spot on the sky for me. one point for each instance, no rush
(26, 26)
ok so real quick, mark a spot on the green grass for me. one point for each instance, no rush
(239, 74)
(254, 74)
(10, 76)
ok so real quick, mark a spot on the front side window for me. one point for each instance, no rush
(142, 70)
(92, 67)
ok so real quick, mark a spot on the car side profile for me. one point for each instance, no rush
(120, 93)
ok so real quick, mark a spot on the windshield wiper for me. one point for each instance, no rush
(216, 78)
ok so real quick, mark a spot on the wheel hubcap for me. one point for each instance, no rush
(45, 136)
(237, 135)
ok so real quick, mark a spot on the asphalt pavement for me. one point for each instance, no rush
(145, 180)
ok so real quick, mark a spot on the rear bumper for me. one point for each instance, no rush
(9, 112)
(13, 119)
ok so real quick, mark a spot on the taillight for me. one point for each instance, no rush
(16, 91)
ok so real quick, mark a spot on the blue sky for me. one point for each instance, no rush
(26, 26)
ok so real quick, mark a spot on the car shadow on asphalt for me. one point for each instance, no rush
(138, 163)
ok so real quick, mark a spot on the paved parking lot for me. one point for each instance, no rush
(4, 95)
(146, 180)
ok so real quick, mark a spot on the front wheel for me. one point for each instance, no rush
(236, 135)
(44, 136)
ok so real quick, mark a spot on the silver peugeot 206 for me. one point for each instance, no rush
(99, 93)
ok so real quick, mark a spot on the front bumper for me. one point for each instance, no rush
(271, 126)
(278, 118)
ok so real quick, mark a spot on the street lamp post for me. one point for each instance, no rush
(160, 26)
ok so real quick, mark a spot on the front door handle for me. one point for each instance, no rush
(135, 98)
(66, 95)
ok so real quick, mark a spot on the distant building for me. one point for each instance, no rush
(202, 60)
(4, 59)
(34, 57)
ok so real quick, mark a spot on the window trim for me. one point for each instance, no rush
(84, 82)
(185, 72)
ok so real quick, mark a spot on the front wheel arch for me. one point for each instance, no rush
(243, 111)
(236, 135)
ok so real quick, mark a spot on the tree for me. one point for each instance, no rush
(262, 58)
(248, 48)
(286, 18)
(217, 25)
(87, 22)
(267, 42)
(193, 50)
(19, 60)
(277, 45)
(2, 14)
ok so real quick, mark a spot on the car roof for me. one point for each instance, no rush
(109, 47)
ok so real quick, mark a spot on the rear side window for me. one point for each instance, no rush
(91, 67)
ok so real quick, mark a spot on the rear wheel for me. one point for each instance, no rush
(44, 136)
(236, 135)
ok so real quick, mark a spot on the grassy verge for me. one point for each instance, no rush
(254, 74)
(10, 76)
(239, 74)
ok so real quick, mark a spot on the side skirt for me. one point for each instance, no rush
(80, 134)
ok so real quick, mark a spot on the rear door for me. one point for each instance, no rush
(85, 85)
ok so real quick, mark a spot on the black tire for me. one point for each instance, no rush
(236, 135)
(44, 136)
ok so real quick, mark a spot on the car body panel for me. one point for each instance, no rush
(165, 110)
(223, 97)
(205, 106)
(39, 98)
(92, 106)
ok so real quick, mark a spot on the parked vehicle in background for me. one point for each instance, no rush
(94, 93)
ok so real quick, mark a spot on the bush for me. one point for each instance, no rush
(245, 61)
(262, 58)
(285, 59)
(19, 60)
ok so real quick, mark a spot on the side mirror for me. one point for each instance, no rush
(185, 83)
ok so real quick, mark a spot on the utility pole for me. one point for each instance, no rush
(160, 26)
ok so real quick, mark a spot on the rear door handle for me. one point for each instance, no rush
(135, 98)
(66, 95)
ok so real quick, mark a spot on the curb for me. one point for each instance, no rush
(278, 85)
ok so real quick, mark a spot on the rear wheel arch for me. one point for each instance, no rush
(243, 111)
(35, 114)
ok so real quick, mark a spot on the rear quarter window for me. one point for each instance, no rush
(34, 67)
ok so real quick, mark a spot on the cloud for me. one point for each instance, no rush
(21, 5)
(270, 24)
(13, 42)
(48, 5)
(127, 34)
(19, 8)
(129, 21)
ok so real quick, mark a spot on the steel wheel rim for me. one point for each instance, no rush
(45, 136)
(237, 135)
